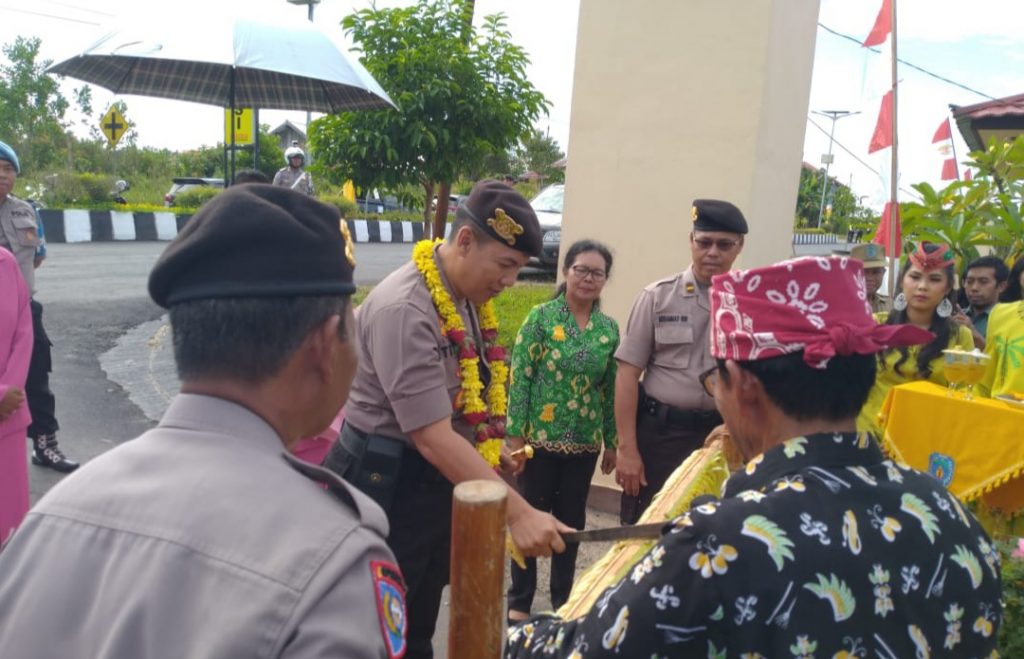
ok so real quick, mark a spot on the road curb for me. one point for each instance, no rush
(82, 226)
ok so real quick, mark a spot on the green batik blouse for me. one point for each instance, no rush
(562, 394)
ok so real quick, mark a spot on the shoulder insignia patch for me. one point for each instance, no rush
(390, 591)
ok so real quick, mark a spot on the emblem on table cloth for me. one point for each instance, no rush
(390, 590)
(942, 467)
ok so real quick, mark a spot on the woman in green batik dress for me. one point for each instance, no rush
(561, 401)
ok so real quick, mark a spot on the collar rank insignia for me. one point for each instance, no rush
(690, 287)
(505, 226)
(350, 250)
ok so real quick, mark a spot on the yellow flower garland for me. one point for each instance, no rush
(487, 418)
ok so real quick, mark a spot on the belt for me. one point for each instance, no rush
(677, 417)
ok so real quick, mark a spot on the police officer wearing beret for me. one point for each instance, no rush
(203, 537)
(406, 440)
(22, 235)
(663, 419)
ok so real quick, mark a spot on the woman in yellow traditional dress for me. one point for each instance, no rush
(925, 285)
(1004, 343)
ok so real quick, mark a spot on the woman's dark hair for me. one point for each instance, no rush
(1013, 292)
(580, 247)
(941, 327)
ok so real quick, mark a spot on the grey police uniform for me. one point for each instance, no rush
(198, 539)
(408, 378)
(289, 178)
(20, 235)
(667, 337)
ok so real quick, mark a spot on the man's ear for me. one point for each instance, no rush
(748, 389)
(321, 344)
(1001, 286)
(464, 238)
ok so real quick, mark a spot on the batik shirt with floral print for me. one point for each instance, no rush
(562, 396)
(820, 547)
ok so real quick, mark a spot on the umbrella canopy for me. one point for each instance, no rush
(277, 64)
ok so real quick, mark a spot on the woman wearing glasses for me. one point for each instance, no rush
(926, 281)
(561, 401)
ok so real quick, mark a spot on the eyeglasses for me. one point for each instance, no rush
(723, 244)
(583, 272)
(708, 380)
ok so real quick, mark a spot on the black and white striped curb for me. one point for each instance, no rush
(82, 226)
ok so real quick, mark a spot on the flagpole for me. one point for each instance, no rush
(893, 183)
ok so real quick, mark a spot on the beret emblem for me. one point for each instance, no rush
(694, 213)
(505, 226)
(350, 250)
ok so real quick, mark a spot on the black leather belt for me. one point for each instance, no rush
(676, 417)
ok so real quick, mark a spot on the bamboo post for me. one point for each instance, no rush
(477, 570)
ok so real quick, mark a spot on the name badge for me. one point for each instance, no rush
(672, 319)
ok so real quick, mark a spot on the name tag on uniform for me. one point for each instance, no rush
(672, 319)
(446, 350)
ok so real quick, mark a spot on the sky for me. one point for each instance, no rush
(976, 44)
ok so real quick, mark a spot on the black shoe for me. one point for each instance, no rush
(46, 453)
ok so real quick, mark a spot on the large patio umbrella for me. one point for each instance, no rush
(273, 63)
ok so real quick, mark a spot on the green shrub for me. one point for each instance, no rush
(78, 190)
(345, 206)
(1011, 633)
(195, 197)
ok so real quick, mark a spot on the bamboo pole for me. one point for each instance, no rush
(477, 570)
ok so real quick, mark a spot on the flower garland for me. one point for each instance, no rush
(487, 418)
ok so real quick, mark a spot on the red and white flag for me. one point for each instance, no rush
(882, 137)
(882, 235)
(880, 35)
(883, 25)
(943, 139)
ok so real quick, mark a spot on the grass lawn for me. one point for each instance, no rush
(511, 306)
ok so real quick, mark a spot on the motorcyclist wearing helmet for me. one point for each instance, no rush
(294, 176)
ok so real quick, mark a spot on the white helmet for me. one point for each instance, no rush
(293, 151)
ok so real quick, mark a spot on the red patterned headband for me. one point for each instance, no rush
(930, 261)
(814, 304)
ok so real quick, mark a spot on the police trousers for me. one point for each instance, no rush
(663, 447)
(420, 521)
(556, 483)
(41, 402)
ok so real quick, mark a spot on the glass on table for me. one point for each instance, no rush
(954, 368)
(976, 363)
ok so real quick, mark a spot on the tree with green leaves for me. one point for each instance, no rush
(462, 94)
(984, 212)
(32, 107)
(538, 153)
(842, 208)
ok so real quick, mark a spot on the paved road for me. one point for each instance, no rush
(113, 369)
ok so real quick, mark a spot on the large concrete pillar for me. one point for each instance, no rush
(679, 99)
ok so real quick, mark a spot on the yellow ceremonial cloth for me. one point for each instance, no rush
(975, 447)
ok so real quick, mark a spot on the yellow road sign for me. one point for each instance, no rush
(113, 125)
(244, 122)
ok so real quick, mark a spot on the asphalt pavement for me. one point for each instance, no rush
(113, 372)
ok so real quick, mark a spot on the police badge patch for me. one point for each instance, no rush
(390, 590)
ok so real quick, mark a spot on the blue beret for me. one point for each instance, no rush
(7, 153)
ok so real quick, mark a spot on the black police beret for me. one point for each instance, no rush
(715, 215)
(504, 215)
(256, 240)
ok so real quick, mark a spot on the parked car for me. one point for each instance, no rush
(548, 206)
(183, 183)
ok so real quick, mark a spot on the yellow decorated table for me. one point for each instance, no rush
(975, 447)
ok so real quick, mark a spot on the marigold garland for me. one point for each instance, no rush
(487, 418)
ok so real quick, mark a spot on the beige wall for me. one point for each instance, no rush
(679, 99)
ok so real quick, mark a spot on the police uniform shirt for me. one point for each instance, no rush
(287, 177)
(20, 236)
(199, 539)
(819, 547)
(879, 303)
(667, 336)
(408, 374)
